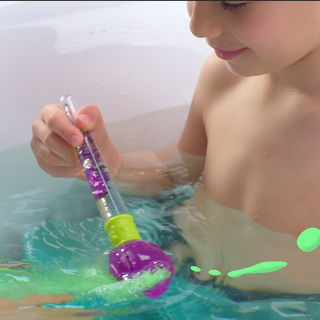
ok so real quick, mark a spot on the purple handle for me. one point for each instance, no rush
(134, 257)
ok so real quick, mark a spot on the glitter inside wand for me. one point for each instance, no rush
(103, 188)
(131, 255)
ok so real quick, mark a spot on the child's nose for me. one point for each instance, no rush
(205, 21)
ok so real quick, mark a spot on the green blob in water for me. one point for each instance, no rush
(309, 239)
(214, 272)
(263, 267)
(195, 269)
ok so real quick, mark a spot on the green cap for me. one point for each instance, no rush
(121, 229)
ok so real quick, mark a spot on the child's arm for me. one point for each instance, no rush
(140, 172)
(213, 80)
(149, 173)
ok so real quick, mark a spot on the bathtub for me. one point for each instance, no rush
(123, 56)
(126, 58)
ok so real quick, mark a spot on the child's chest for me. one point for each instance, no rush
(265, 162)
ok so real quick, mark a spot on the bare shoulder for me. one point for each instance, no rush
(215, 80)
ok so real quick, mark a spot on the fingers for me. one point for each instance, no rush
(55, 119)
(53, 142)
(55, 138)
(52, 148)
(89, 118)
(51, 132)
(54, 164)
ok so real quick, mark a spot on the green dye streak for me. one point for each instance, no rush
(309, 239)
(263, 267)
(17, 284)
(129, 289)
(214, 272)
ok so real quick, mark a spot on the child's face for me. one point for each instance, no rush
(273, 34)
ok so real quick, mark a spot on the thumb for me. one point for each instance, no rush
(90, 118)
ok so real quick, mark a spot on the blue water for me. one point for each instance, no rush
(53, 225)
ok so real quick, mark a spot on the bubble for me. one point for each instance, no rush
(309, 239)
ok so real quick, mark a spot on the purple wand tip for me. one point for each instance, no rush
(136, 256)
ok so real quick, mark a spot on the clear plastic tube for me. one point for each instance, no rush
(106, 194)
(131, 255)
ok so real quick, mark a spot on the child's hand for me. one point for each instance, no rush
(55, 138)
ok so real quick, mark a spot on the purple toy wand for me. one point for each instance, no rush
(131, 255)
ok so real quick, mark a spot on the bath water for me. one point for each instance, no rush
(53, 242)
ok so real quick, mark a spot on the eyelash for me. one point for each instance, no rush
(233, 7)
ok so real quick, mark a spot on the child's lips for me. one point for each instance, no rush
(224, 53)
(227, 55)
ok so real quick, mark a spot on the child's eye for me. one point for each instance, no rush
(233, 7)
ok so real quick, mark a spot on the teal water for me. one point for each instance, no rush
(52, 229)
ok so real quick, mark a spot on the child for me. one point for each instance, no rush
(253, 133)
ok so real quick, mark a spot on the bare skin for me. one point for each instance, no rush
(262, 155)
(262, 149)
(253, 130)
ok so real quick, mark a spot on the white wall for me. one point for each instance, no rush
(127, 57)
